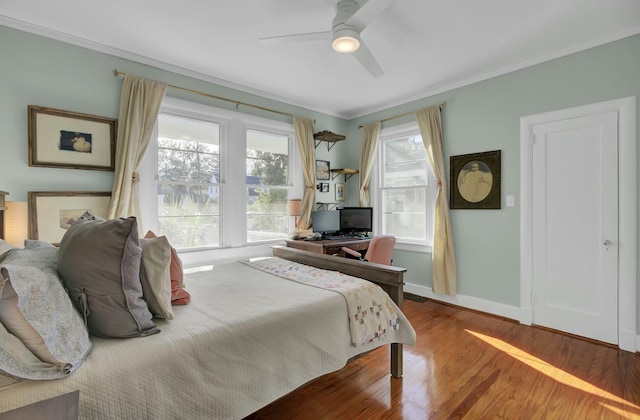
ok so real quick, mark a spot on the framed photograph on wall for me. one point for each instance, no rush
(475, 180)
(324, 187)
(51, 213)
(341, 191)
(323, 170)
(65, 139)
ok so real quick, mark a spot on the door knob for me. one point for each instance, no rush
(606, 242)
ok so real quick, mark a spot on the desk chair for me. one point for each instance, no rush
(380, 250)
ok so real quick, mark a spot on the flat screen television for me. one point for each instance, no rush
(356, 219)
(325, 222)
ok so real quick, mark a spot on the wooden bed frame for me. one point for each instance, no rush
(388, 277)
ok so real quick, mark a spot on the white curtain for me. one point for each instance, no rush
(368, 150)
(444, 258)
(304, 134)
(140, 102)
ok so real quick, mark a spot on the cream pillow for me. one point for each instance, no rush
(155, 275)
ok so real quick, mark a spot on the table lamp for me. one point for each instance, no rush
(295, 209)
(16, 223)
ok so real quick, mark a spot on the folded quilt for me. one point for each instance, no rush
(371, 310)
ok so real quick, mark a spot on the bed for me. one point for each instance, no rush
(247, 338)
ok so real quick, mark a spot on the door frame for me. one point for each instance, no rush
(627, 211)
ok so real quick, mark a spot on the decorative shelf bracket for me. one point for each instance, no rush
(329, 137)
(348, 173)
(325, 206)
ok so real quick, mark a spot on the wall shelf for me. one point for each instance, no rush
(325, 206)
(327, 136)
(348, 173)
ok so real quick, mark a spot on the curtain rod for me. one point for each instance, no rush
(442, 105)
(208, 95)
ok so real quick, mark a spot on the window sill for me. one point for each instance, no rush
(221, 255)
(414, 247)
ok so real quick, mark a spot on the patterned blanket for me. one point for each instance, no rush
(371, 311)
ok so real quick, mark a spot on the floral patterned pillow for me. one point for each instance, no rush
(36, 312)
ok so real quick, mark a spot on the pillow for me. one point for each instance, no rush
(36, 310)
(155, 275)
(99, 262)
(16, 361)
(87, 216)
(179, 296)
(5, 247)
(35, 244)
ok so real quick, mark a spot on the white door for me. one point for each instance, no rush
(575, 226)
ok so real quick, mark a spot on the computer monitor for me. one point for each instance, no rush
(356, 219)
(324, 222)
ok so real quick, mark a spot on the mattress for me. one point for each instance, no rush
(246, 339)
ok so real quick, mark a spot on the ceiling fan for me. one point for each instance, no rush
(350, 20)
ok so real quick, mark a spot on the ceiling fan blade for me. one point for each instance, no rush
(290, 39)
(367, 14)
(365, 58)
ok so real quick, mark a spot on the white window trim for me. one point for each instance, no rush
(389, 133)
(233, 127)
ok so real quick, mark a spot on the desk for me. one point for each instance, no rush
(330, 247)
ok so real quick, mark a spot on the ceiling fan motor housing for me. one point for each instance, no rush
(345, 39)
(344, 10)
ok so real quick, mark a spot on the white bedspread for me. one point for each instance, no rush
(370, 309)
(246, 339)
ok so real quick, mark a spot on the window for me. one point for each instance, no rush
(267, 185)
(219, 178)
(188, 152)
(406, 187)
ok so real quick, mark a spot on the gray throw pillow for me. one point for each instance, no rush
(99, 261)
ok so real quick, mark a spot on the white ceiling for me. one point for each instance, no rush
(423, 46)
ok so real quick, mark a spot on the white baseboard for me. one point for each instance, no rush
(629, 341)
(470, 302)
(500, 309)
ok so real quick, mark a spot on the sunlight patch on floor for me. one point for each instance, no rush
(559, 374)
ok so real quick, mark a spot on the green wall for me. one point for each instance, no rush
(39, 71)
(486, 116)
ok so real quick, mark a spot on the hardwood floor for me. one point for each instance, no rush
(475, 366)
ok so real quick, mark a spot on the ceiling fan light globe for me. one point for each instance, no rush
(345, 41)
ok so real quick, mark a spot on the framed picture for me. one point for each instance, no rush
(323, 171)
(64, 139)
(341, 191)
(51, 213)
(323, 187)
(475, 181)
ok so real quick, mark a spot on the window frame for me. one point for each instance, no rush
(295, 166)
(392, 133)
(233, 128)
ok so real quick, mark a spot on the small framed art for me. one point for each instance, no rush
(51, 213)
(341, 191)
(475, 180)
(323, 170)
(65, 139)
